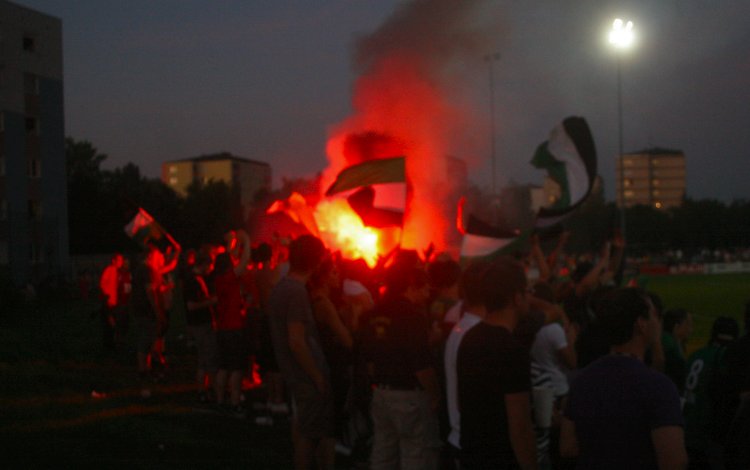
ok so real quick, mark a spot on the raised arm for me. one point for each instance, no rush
(591, 279)
(538, 256)
(244, 240)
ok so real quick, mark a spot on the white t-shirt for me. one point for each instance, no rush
(545, 357)
(453, 315)
(468, 321)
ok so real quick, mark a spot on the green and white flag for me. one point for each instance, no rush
(143, 228)
(569, 156)
(370, 172)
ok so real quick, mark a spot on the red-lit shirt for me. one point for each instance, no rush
(110, 284)
(230, 308)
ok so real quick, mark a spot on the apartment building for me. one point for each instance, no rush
(653, 177)
(33, 194)
(248, 176)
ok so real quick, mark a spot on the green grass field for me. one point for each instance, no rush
(50, 362)
(705, 296)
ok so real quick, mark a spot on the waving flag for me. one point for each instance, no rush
(381, 191)
(378, 171)
(296, 207)
(482, 240)
(143, 228)
(569, 156)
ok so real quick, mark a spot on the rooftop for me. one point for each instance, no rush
(218, 157)
(656, 151)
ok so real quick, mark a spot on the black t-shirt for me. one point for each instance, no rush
(492, 362)
(615, 404)
(195, 289)
(396, 342)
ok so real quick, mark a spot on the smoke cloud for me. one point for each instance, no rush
(417, 75)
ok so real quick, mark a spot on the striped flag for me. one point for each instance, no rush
(569, 156)
(482, 240)
(143, 228)
(381, 190)
(378, 171)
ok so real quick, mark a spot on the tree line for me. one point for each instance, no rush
(101, 202)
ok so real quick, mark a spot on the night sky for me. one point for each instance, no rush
(148, 81)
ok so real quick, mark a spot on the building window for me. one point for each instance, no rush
(629, 193)
(655, 182)
(32, 126)
(35, 209)
(31, 84)
(35, 168)
(657, 204)
(29, 43)
(35, 253)
(172, 169)
(172, 180)
(4, 252)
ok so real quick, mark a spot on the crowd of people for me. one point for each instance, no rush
(531, 361)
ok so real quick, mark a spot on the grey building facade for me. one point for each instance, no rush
(33, 190)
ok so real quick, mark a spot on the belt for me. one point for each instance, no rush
(401, 388)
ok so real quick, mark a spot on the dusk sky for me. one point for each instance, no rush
(154, 80)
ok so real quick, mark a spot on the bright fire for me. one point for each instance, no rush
(343, 230)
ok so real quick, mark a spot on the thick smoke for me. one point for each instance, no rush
(417, 73)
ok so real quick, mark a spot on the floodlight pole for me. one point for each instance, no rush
(492, 58)
(619, 147)
(621, 37)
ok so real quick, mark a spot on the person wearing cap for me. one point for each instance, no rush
(702, 395)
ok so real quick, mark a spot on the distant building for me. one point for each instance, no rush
(33, 194)
(653, 177)
(249, 176)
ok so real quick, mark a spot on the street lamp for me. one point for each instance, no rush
(491, 59)
(622, 38)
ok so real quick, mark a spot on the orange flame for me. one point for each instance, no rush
(340, 228)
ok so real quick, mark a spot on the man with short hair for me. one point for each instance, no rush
(472, 313)
(199, 317)
(494, 381)
(111, 285)
(300, 357)
(406, 393)
(621, 414)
